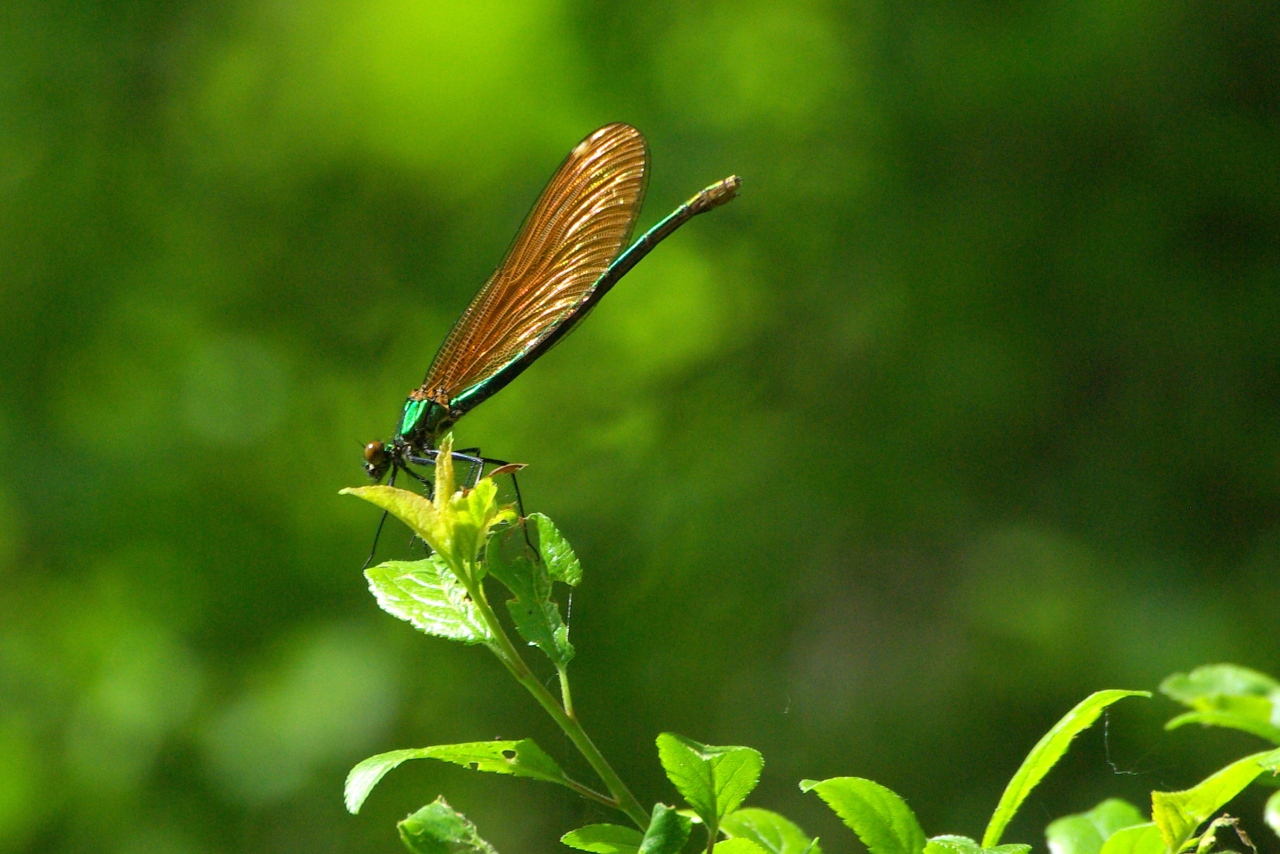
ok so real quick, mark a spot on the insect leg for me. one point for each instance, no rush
(420, 479)
(473, 458)
(428, 489)
(515, 484)
(391, 481)
(475, 465)
(373, 550)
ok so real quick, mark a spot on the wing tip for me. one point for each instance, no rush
(620, 132)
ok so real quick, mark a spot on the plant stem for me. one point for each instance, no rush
(565, 695)
(510, 657)
(588, 792)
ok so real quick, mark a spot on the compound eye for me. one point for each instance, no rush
(375, 453)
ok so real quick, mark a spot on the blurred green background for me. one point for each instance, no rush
(968, 406)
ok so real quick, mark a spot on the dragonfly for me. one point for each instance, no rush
(567, 255)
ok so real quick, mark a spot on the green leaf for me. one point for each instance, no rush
(879, 817)
(368, 773)
(604, 839)
(557, 555)
(1139, 839)
(423, 515)
(1178, 814)
(1245, 718)
(475, 513)
(426, 594)
(952, 845)
(1227, 695)
(520, 758)
(535, 614)
(948, 844)
(740, 845)
(1045, 755)
(775, 833)
(438, 829)
(668, 831)
(1084, 833)
(1202, 687)
(1271, 813)
(714, 780)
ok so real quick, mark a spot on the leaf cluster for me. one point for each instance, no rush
(714, 781)
(473, 538)
(1182, 821)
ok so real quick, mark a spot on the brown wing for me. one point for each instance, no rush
(578, 227)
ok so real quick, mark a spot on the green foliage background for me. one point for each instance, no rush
(970, 405)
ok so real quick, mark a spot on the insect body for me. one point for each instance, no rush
(565, 258)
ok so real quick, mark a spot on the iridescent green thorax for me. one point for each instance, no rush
(423, 421)
(413, 410)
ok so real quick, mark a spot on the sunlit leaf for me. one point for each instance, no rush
(1139, 839)
(948, 844)
(1178, 814)
(421, 515)
(438, 829)
(1084, 833)
(445, 485)
(1272, 812)
(535, 614)
(740, 845)
(558, 556)
(1251, 717)
(426, 594)
(368, 773)
(474, 513)
(521, 758)
(714, 780)
(667, 833)
(880, 818)
(1227, 695)
(604, 839)
(1202, 687)
(775, 833)
(1045, 755)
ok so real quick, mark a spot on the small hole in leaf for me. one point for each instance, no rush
(508, 755)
